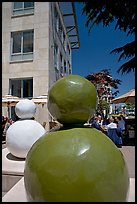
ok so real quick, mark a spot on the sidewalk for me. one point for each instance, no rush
(129, 155)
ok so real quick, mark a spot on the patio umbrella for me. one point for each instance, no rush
(9, 100)
(40, 99)
(128, 97)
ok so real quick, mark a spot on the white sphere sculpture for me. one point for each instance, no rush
(21, 135)
(25, 109)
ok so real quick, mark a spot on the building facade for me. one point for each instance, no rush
(37, 43)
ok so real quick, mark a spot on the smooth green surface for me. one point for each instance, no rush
(72, 99)
(79, 165)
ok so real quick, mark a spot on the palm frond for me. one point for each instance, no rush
(128, 66)
(127, 50)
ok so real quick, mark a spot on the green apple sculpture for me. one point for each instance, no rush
(72, 99)
(75, 164)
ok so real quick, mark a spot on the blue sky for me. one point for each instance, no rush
(94, 52)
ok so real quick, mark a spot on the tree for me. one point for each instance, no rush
(130, 105)
(104, 83)
(122, 12)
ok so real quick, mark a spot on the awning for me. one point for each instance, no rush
(69, 16)
(128, 97)
(40, 99)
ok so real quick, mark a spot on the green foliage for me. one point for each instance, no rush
(103, 105)
(130, 105)
(127, 51)
(122, 13)
(103, 78)
(101, 81)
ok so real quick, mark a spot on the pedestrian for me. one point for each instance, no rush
(100, 120)
(112, 123)
(8, 122)
(114, 133)
(121, 123)
(95, 123)
(3, 127)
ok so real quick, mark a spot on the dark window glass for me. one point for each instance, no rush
(27, 41)
(65, 68)
(18, 5)
(28, 4)
(22, 88)
(16, 42)
(21, 5)
(27, 88)
(22, 42)
(16, 87)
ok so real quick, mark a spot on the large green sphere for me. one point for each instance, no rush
(75, 165)
(72, 99)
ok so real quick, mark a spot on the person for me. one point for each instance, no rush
(8, 122)
(121, 123)
(105, 121)
(95, 123)
(3, 122)
(114, 133)
(3, 127)
(111, 130)
(100, 121)
(112, 123)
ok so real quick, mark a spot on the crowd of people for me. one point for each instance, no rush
(6, 122)
(113, 127)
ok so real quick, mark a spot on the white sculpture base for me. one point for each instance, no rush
(12, 170)
(12, 165)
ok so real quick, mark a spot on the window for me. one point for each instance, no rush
(65, 67)
(69, 68)
(61, 64)
(63, 39)
(56, 19)
(56, 55)
(22, 45)
(68, 49)
(56, 74)
(21, 8)
(60, 31)
(22, 88)
(70, 71)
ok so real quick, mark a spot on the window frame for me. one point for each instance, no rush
(21, 53)
(23, 9)
(21, 80)
(56, 55)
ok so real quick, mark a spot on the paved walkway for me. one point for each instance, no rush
(129, 155)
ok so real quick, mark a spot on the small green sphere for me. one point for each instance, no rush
(72, 99)
(75, 165)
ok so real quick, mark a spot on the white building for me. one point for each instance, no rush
(37, 43)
